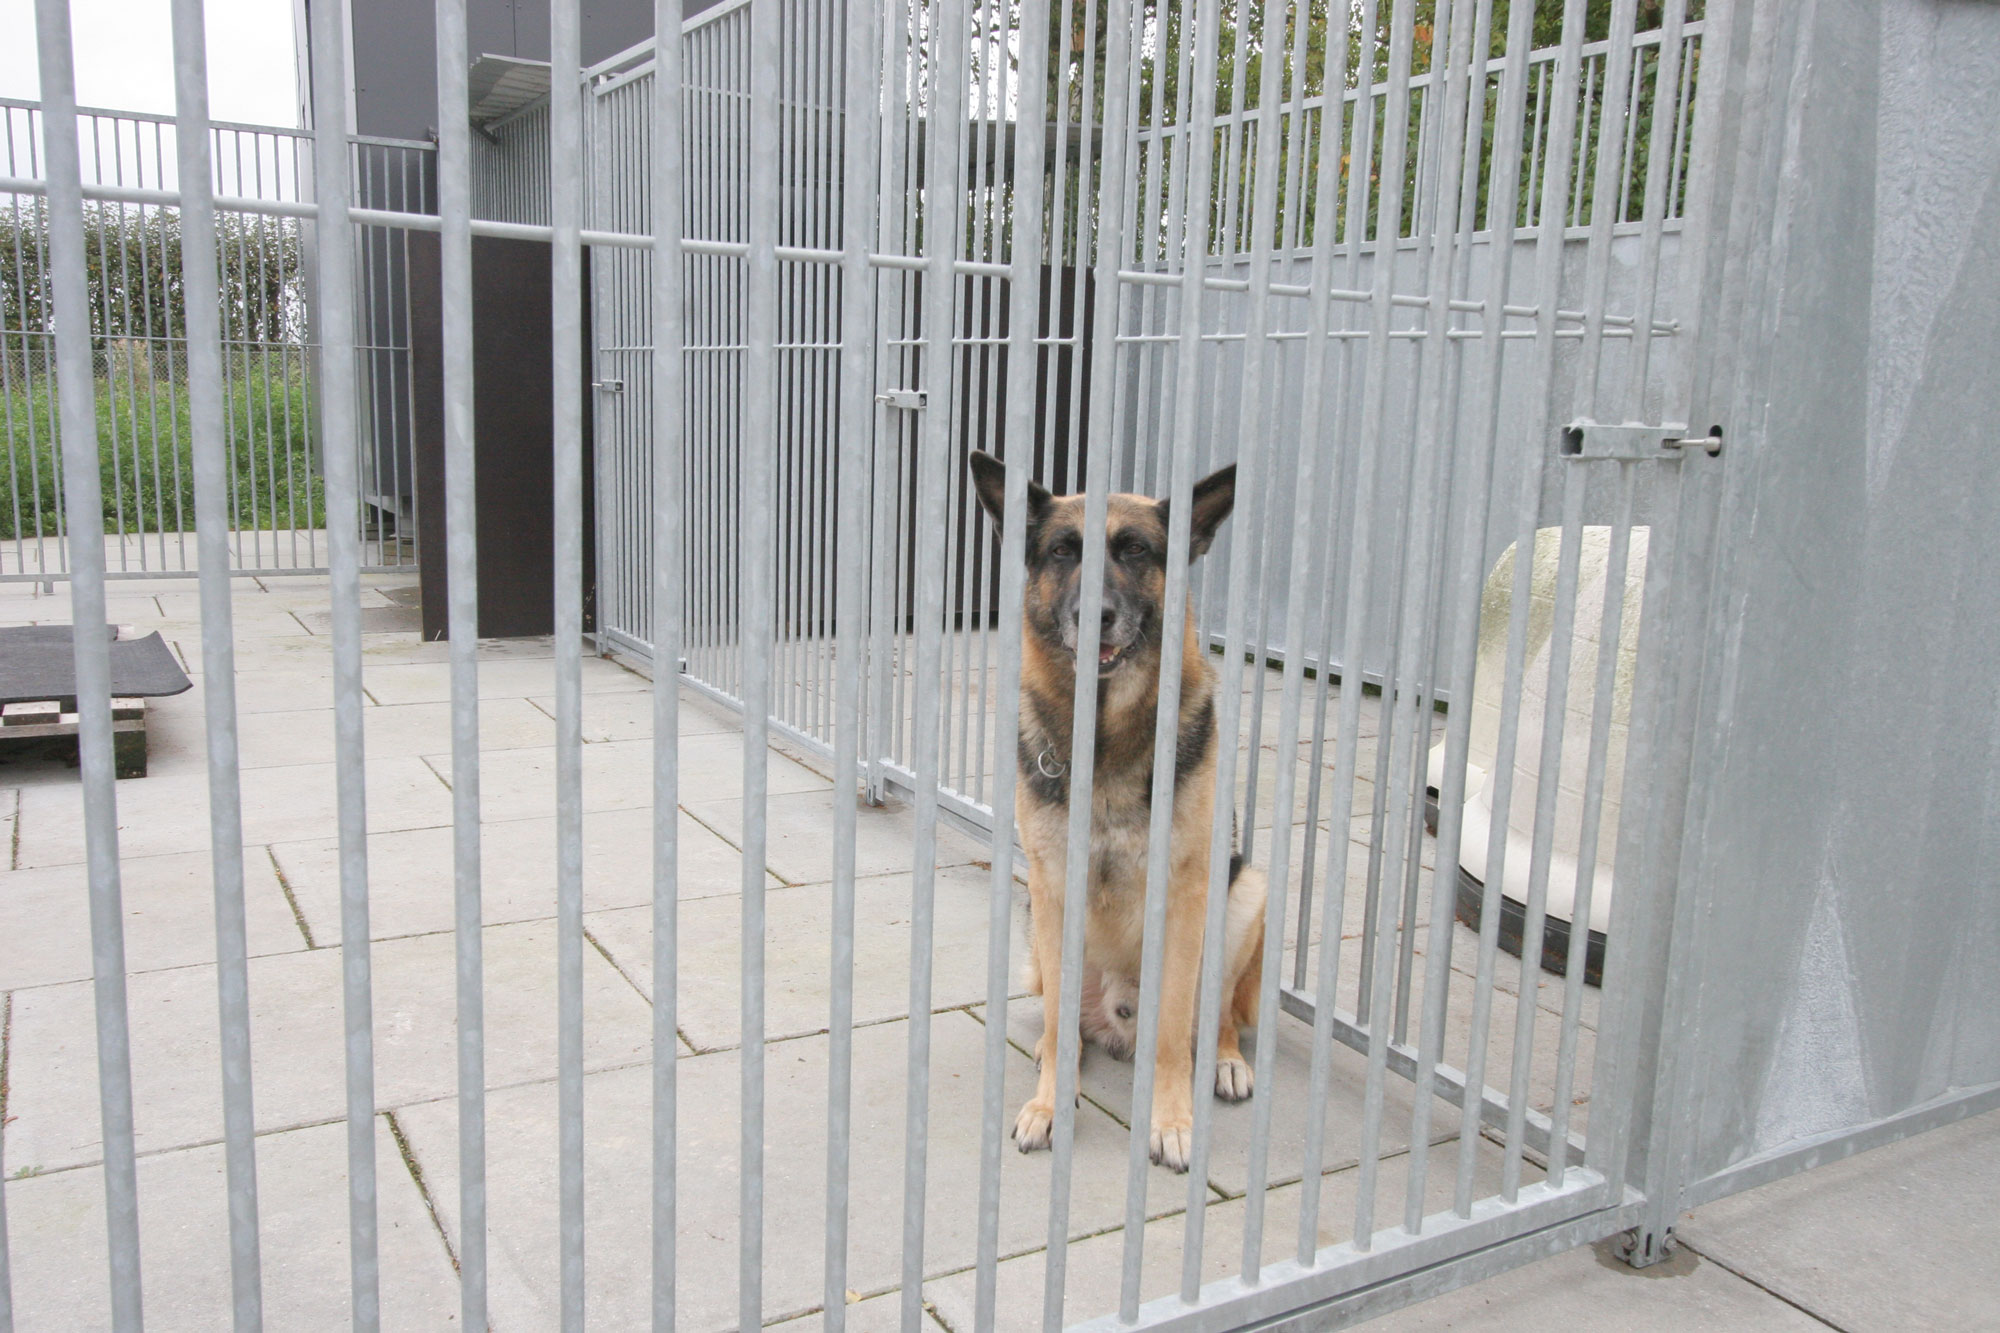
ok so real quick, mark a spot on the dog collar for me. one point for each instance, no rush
(1047, 770)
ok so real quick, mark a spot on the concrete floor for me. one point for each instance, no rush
(1885, 1241)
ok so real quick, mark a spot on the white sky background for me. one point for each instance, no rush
(125, 57)
(123, 53)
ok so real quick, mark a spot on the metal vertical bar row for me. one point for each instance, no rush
(667, 162)
(1462, 599)
(218, 653)
(755, 616)
(1257, 347)
(1533, 452)
(566, 337)
(84, 500)
(1361, 546)
(1555, 712)
(1425, 487)
(462, 627)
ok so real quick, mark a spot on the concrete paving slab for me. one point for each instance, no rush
(169, 916)
(617, 775)
(58, 1252)
(620, 716)
(521, 1178)
(796, 960)
(296, 1038)
(157, 817)
(1108, 1083)
(799, 835)
(410, 873)
(1886, 1240)
(1458, 1030)
(266, 740)
(1093, 1267)
(880, 1314)
(499, 678)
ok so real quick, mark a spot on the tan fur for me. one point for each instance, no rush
(1120, 821)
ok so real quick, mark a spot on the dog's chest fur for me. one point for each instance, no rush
(1122, 784)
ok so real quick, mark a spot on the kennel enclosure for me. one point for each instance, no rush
(1442, 281)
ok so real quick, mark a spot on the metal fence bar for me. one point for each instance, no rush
(218, 656)
(756, 611)
(93, 655)
(862, 88)
(462, 626)
(943, 236)
(1548, 286)
(337, 434)
(566, 335)
(668, 362)
(1029, 237)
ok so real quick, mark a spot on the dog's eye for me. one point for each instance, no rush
(1134, 550)
(1125, 1011)
(1063, 550)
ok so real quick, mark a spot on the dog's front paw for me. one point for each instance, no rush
(1232, 1079)
(1033, 1125)
(1173, 1143)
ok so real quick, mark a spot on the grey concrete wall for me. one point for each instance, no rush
(395, 50)
(1847, 941)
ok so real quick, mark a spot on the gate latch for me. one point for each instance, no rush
(609, 386)
(908, 400)
(1586, 440)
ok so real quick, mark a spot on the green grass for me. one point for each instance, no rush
(146, 455)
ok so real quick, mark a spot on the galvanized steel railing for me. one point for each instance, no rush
(134, 231)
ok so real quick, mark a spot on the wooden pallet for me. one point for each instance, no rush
(56, 718)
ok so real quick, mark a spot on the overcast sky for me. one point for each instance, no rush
(125, 57)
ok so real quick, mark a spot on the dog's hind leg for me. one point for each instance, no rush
(1034, 1124)
(1244, 955)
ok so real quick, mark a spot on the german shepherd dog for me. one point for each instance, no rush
(1128, 676)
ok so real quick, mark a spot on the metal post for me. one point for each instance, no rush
(93, 653)
(218, 664)
(566, 335)
(462, 620)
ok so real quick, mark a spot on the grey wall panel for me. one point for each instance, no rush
(395, 50)
(1848, 947)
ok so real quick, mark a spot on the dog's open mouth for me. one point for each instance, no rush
(1109, 655)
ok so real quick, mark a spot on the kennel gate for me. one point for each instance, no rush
(1582, 303)
(721, 379)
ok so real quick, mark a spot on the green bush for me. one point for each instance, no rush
(146, 455)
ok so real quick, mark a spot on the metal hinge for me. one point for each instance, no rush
(1585, 440)
(908, 400)
(609, 386)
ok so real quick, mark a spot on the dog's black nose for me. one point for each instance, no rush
(1107, 618)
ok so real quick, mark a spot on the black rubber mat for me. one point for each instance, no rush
(37, 663)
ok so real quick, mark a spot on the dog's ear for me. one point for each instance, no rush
(989, 477)
(1214, 497)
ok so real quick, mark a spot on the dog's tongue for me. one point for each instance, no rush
(1106, 654)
